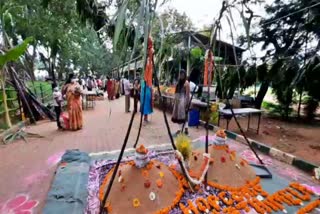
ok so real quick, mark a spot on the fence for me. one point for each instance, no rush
(42, 90)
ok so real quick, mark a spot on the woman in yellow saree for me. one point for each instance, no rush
(74, 105)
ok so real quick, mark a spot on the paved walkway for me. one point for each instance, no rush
(27, 168)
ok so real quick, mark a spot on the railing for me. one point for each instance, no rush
(42, 90)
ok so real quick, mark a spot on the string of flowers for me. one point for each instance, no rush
(206, 163)
(214, 202)
(202, 205)
(310, 207)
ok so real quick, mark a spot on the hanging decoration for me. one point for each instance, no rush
(149, 66)
(208, 68)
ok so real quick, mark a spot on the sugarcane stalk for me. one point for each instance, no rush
(5, 103)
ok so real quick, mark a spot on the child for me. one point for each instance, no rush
(57, 100)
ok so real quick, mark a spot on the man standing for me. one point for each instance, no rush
(127, 90)
(57, 100)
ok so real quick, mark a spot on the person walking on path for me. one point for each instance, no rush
(136, 94)
(127, 90)
(57, 100)
(181, 100)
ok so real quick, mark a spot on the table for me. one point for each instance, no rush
(90, 98)
(199, 103)
(241, 111)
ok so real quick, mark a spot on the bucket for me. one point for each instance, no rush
(194, 117)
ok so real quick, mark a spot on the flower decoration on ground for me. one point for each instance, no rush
(145, 173)
(152, 196)
(147, 184)
(223, 159)
(136, 202)
(159, 183)
(19, 204)
(161, 174)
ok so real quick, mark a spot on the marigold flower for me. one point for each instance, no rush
(161, 174)
(136, 202)
(159, 183)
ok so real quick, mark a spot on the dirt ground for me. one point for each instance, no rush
(299, 139)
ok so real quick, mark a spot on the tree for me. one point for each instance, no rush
(284, 32)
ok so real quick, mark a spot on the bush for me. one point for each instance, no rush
(311, 108)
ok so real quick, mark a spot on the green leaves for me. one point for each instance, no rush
(14, 53)
(120, 23)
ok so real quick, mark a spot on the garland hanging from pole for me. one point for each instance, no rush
(149, 66)
(208, 68)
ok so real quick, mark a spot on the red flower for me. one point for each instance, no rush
(223, 159)
(147, 184)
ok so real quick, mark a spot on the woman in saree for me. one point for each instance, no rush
(74, 105)
(146, 102)
(181, 99)
(109, 88)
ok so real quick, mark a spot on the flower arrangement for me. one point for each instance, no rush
(214, 202)
(142, 150)
(310, 207)
(159, 183)
(202, 205)
(183, 144)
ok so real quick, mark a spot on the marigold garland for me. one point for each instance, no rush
(226, 201)
(202, 205)
(310, 207)
(192, 207)
(242, 205)
(304, 197)
(240, 197)
(257, 207)
(214, 202)
(108, 207)
(302, 189)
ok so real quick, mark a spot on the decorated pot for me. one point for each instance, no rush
(219, 140)
(141, 160)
